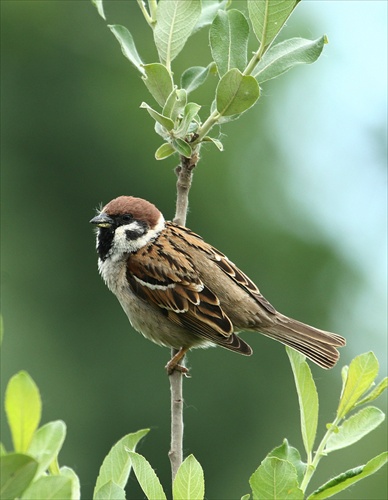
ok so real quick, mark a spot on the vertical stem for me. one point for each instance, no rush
(184, 173)
(176, 448)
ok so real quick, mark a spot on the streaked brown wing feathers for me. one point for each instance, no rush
(178, 290)
(223, 263)
(199, 324)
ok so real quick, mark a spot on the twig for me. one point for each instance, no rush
(184, 173)
(176, 448)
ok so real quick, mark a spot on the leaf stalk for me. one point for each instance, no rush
(254, 60)
(312, 465)
(153, 6)
(147, 17)
(206, 126)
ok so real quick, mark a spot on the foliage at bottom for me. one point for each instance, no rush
(31, 470)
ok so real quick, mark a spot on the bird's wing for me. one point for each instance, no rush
(226, 265)
(163, 275)
(316, 344)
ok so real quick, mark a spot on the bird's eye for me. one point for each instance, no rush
(127, 217)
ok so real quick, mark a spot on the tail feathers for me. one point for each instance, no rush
(315, 344)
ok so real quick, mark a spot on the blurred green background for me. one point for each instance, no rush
(297, 200)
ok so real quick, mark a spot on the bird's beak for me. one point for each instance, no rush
(102, 220)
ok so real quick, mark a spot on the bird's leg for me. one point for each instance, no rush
(173, 364)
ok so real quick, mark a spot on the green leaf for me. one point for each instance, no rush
(117, 465)
(209, 12)
(246, 497)
(49, 488)
(175, 104)
(182, 147)
(268, 17)
(164, 151)
(189, 481)
(355, 428)
(361, 374)
(159, 82)
(23, 407)
(160, 130)
(229, 40)
(16, 473)
(218, 144)
(285, 55)
(3, 451)
(194, 77)
(375, 393)
(110, 491)
(175, 21)
(127, 44)
(292, 455)
(75, 484)
(46, 444)
(146, 477)
(275, 479)
(307, 396)
(236, 93)
(100, 8)
(190, 112)
(349, 477)
(166, 122)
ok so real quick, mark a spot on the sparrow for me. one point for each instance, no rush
(182, 293)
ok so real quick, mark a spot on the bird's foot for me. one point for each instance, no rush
(173, 364)
(178, 368)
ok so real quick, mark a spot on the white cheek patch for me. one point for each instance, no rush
(124, 243)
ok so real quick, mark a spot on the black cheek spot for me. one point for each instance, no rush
(131, 234)
(139, 230)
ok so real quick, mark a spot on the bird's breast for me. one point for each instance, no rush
(147, 319)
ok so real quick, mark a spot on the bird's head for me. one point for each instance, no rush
(125, 225)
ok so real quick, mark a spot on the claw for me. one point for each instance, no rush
(179, 368)
(173, 364)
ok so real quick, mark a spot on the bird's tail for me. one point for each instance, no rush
(315, 344)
